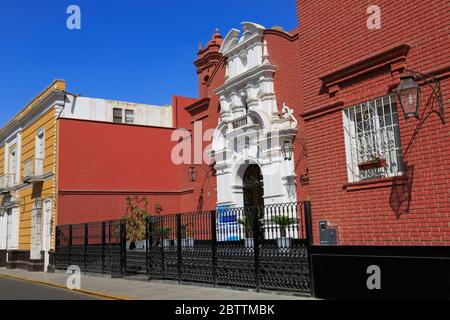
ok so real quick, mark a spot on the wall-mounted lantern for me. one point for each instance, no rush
(287, 150)
(192, 172)
(409, 93)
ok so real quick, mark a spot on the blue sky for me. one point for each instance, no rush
(132, 50)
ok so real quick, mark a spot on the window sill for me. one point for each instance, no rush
(376, 183)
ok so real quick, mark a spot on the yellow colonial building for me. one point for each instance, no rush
(29, 166)
(28, 152)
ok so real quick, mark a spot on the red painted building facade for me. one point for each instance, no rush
(344, 64)
(332, 71)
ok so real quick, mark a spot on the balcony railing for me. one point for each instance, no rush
(7, 181)
(33, 168)
(3, 182)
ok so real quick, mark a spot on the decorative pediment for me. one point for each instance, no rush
(393, 57)
(234, 39)
(251, 28)
(230, 40)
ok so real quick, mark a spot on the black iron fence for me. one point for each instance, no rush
(94, 247)
(257, 247)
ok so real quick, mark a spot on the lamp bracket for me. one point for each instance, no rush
(435, 85)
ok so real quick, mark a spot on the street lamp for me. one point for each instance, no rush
(287, 150)
(192, 172)
(408, 93)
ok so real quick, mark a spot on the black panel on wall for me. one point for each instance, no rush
(381, 272)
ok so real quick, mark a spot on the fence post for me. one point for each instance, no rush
(147, 242)
(123, 248)
(86, 242)
(70, 245)
(57, 245)
(214, 247)
(310, 242)
(256, 241)
(179, 251)
(103, 246)
(308, 222)
(162, 237)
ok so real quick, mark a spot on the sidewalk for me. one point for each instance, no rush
(124, 289)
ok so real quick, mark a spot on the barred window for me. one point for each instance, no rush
(372, 140)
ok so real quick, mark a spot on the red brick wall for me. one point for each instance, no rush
(82, 207)
(283, 52)
(205, 187)
(101, 164)
(334, 34)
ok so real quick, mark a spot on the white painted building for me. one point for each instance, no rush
(247, 146)
(84, 108)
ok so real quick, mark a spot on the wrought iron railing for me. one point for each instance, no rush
(33, 167)
(8, 181)
(3, 182)
(258, 247)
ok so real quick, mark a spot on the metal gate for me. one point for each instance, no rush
(93, 247)
(255, 247)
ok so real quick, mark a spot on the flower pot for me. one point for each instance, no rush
(187, 242)
(372, 164)
(167, 243)
(248, 242)
(284, 243)
(141, 244)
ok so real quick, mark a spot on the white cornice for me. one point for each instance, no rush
(243, 79)
(232, 43)
(54, 98)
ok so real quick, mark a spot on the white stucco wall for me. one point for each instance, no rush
(84, 108)
(250, 110)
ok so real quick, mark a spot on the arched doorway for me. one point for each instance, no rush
(253, 186)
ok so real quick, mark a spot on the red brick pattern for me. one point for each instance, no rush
(335, 34)
(332, 35)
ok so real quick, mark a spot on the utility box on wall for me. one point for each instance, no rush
(327, 236)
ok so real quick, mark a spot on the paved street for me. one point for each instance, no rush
(122, 289)
(11, 289)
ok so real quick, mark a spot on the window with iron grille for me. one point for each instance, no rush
(117, 115)
(372, 140)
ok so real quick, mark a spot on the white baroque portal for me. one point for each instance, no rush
(247, 146)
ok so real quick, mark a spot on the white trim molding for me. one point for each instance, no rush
(250, 128)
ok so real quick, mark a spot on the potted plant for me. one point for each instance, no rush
(375, 162)
(186, 237)
(165, 233)
(247, 223)
(283, 222)
(135, 219)
(248, 227)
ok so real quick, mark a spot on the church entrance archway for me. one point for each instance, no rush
(253, 186)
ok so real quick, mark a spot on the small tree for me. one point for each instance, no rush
(247, 220)
(185, 231)
(247, 223)
(164, 232)
(283, 222)
(135, 218)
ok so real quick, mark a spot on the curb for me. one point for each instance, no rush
(50, 284)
